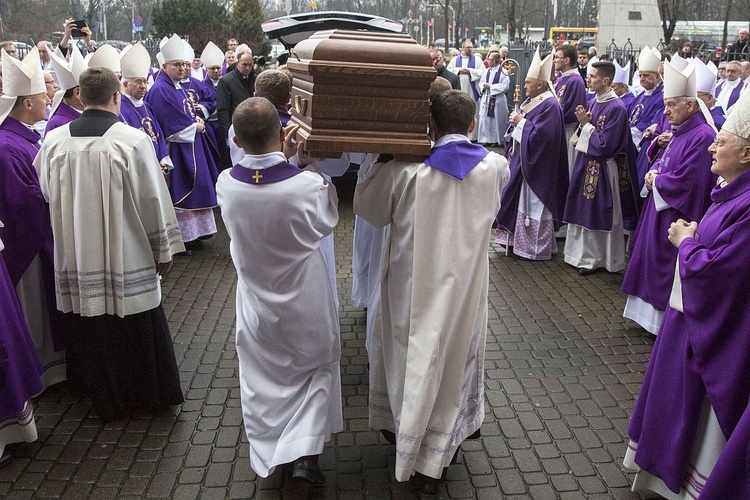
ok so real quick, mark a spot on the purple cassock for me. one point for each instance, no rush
(541, 159)
(62, 115)
(142, 117)
(25, 214)
(20, 370)
(571, 93)
(730, 477)
(284, 116)
(719, 117)
(590, 201)
(193, 178)
(684, 183)
(646, 109)
(705, 351)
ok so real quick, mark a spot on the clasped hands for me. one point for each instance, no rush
(583, 116)
(680, 230)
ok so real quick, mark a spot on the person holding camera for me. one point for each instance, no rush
(76, 30)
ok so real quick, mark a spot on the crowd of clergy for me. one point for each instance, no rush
(647, 176)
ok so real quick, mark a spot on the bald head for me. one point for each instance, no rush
(256, 126)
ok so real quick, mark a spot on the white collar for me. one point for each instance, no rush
(450, 138)
(136, 102)
(262, 162)
(571, 71)
(607, 96)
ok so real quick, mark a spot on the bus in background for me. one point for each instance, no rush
(576, 36)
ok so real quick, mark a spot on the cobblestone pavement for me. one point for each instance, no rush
(563, 370)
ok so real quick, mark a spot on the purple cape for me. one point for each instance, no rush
(62, 115)
(685, 182)
(20, 370)
(627, 99)
(545, 169)
(194, 175)
(143, 118)
(590, 200)
(704, 351)
(456, 158)
(571, 93)
(646, 109)
(28, 230)
(279, 172)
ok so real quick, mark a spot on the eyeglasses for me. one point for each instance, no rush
(179, 64)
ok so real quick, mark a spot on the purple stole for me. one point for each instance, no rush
(718, 88)
(456, 158)
(491, 107)
(279, 172)
(735, 95)
(469, 65)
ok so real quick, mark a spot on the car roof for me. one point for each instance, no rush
(290, 30)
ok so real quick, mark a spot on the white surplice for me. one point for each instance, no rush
(287, 322)
(490, 129)
(127, 207)
(469, 81)
(427, 354)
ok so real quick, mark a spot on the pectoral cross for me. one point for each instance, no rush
(257, 177)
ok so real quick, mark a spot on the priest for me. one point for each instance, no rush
(647, 108)
(696, 387)
(570, 91)
(678, 186)
(601, 189)
(194, 175)
(66, 106)
(116, 232)
(134, 111)
(493, 104)
(705, 81)
(469, 68)
(532, 202)
(427, 353)
(29, 242)
(287, 321)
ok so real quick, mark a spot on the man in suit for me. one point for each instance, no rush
(233, 88)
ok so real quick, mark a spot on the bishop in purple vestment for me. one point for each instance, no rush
(703, 348)
(538, 157)
(678, 186)
(65, 113)
(138, 114)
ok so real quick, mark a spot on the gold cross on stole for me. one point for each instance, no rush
(257, 177)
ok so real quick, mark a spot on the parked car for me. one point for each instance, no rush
(22, 49)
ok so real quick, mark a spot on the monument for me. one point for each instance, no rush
(638, 20)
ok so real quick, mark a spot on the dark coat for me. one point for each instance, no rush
(230, 92)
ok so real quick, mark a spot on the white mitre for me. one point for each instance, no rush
(540, 69)
(106, 56)
(173, 49)
(648, 60)
(212, 55)
(20, 78)
(622, 74)
(705, 77)
(67, 72)
(136, 62)
(679, 83)
(738, 121)
(188, 54)
(679, 62)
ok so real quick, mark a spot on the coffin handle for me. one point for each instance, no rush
(300, 104)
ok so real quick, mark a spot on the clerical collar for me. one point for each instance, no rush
(136, 102)
(571, 71)
(261, 162)
(450, 138)
(731, 85)
(607, 96)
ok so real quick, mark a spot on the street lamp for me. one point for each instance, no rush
(448, 37)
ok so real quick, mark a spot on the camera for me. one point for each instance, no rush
(77, 31)
(259, 60)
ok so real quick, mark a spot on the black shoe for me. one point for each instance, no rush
(587, 272)
(388, 435)
(6, 459)
(427, 487)
(186, 253)
(194, 245)
(307, 468)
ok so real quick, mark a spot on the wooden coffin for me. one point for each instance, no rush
(362, 92)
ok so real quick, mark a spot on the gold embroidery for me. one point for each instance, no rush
(148, 126)
(600, 122)
(257, 177)
(636, 115)
(591, 179)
